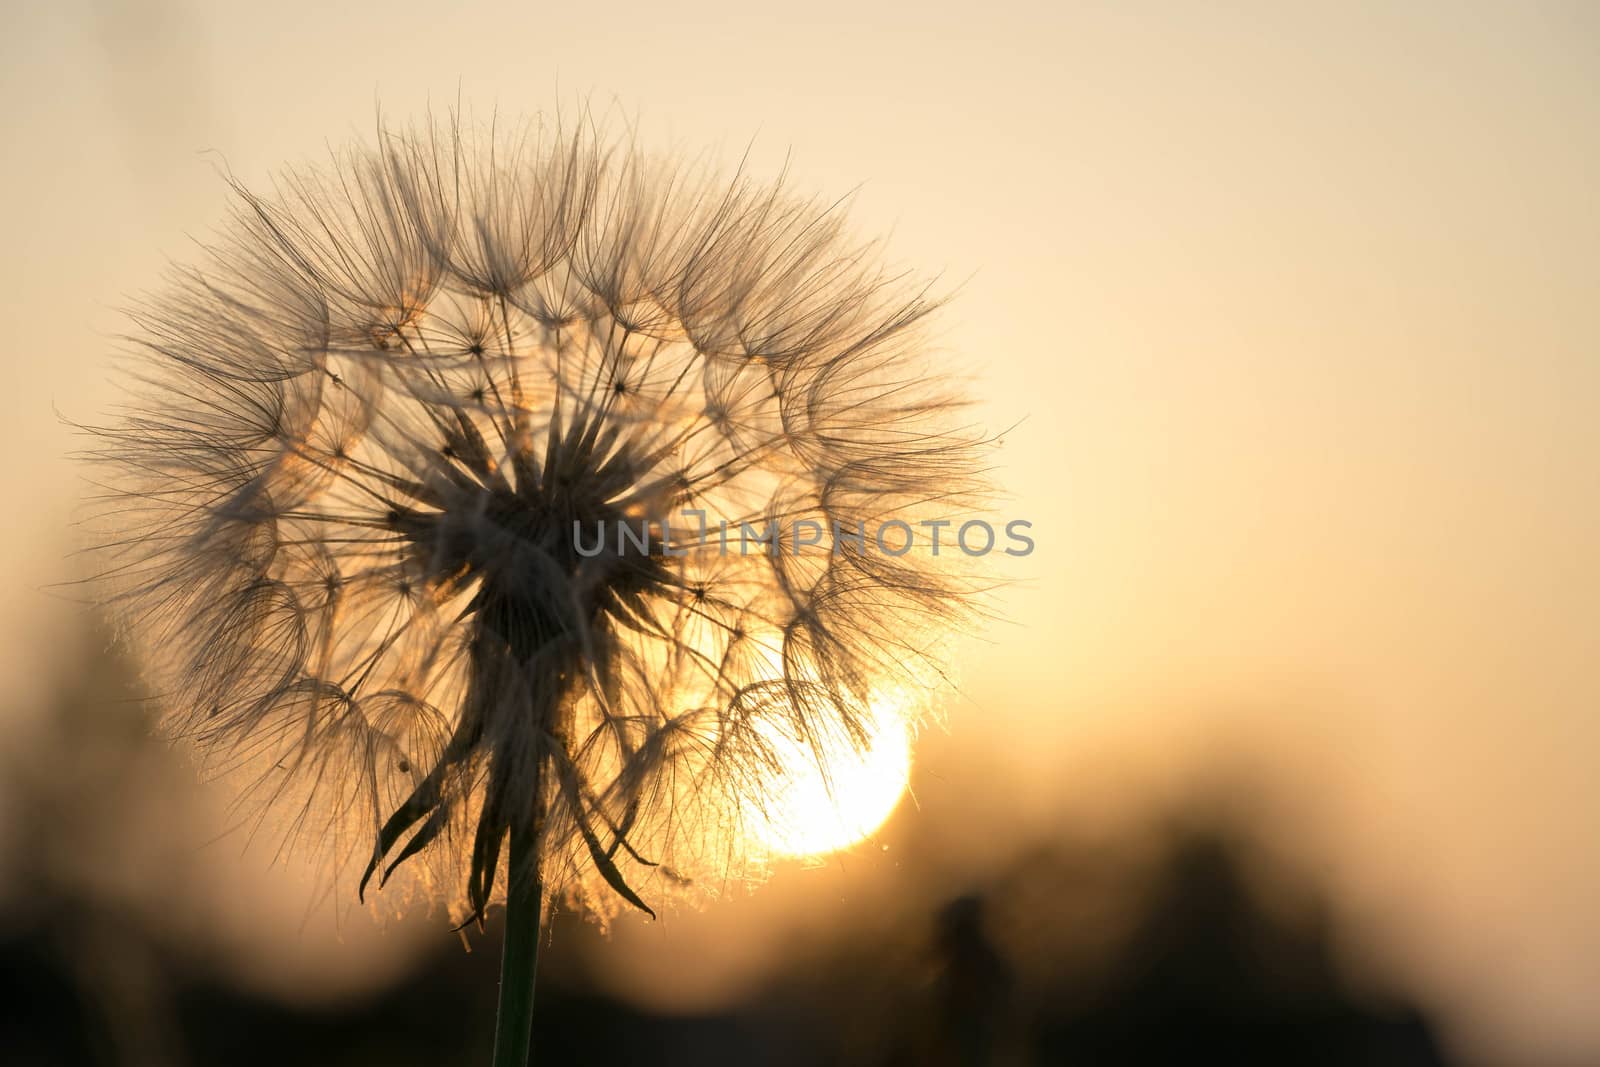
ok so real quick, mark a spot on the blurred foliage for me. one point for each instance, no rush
(1158, 949)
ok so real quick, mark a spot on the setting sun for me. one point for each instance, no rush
(812, 814)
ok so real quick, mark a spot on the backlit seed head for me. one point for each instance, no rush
(359, 436)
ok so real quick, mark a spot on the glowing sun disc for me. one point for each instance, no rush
(809, 814)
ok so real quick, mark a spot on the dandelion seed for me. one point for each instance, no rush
(359, 437)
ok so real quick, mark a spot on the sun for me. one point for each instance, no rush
(809, 813)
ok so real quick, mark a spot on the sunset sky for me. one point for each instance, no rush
(1288, 316)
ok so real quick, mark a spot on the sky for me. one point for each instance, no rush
(1286, 312)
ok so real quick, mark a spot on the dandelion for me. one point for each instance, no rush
(352, 494)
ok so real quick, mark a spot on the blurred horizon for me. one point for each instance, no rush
(1288, 317)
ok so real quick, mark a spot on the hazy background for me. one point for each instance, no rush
(1296, 304)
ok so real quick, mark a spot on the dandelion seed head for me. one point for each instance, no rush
(359, 437)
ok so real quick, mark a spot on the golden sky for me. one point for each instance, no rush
(1296, 308)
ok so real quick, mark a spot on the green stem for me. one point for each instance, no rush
(519, 959)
